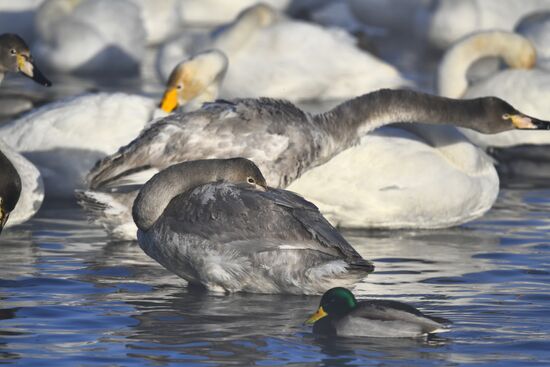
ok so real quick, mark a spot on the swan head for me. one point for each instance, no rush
(15, 57)
(499, 116)
(197, 80)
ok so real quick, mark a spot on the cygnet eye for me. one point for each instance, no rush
(506, 116)
(13, 52)
(251, 180)
(179, 86)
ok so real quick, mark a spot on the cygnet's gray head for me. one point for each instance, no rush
(498, 115)
(15, 57)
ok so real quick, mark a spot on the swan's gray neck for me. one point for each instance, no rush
(346, 123)
(157, 193)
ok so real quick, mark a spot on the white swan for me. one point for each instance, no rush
(527, 89)
(286, 143)
(274, 56)
(93, 37)
(65, 138)
(32, 187)
(454, 19)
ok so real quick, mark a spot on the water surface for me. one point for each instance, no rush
(71, 297)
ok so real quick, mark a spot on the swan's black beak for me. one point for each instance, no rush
(523, 122)
(29, 69)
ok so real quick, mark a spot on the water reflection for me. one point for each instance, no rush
(86, 300)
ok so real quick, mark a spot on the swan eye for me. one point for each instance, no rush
(13, 52)
(251, 180)
(179, 87)
(506, 116)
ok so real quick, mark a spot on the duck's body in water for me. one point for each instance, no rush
(340, 314)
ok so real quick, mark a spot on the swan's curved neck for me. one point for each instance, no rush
(517, 52)
(246, 24)
(157, 193)
(346, 123)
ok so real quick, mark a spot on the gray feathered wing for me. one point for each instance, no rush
(227, 213)
(275, 134)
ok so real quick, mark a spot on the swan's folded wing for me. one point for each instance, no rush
(226, 213)
(254, 129)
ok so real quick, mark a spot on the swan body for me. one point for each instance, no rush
(523, 85)
(274, 56)
(31, 186)
(65, 138)
(215, 223)
(215, 12)
(283, 140)
(377, 182)
(453, 19)
(90, 37)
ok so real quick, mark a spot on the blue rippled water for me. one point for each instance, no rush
(70, 297)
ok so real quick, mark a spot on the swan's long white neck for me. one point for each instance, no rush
(517, 52)
(246, 24)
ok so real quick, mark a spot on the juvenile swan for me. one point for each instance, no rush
(217, 224)
(284, 141)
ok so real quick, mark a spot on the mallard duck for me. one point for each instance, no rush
(340, 314)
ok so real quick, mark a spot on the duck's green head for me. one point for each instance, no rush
(336, 302)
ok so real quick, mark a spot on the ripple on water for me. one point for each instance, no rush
(70, 297)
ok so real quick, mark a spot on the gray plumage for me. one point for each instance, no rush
(387, 318)
(283, 140)
(206, 222)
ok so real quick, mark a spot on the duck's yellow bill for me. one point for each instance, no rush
(169, 100)
(316, 316)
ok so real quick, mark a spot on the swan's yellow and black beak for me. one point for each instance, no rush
(524, 122)
(169, 100)
(27, 67)
(316, 316)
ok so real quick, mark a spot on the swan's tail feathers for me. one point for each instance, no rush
(111, 210)
(360, 264)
